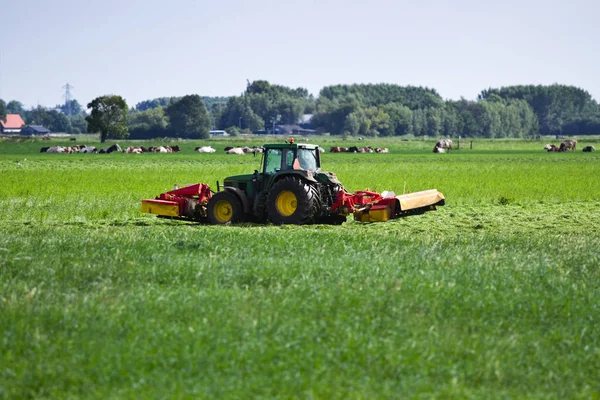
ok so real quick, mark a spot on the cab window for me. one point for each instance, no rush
(307, 159)
(272, 161)
(289, 158)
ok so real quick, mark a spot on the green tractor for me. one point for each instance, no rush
(290, 189)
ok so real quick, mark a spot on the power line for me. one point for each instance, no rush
(68, 98)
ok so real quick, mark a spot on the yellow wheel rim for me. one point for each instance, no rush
(223, 211)
(286, 203)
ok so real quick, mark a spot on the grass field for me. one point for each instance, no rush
(495, 295)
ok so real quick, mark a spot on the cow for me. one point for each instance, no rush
(113, 148)
(44, 149)
(175, 148)
(133, 150)
(382, 150)
(336, 149)
(110, 149)
(88, 149)
(551, 148)
(444, 144)
(236, 150)
(226, 149)
(437, 149)
(55, 149)
(205, 149)
(366, 149)
(589, 149)
(568, 145)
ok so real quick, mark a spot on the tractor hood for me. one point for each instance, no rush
(327, 177)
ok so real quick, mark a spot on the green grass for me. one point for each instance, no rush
(495, 295)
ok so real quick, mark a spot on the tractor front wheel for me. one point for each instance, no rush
(224, 208)
(292, 201)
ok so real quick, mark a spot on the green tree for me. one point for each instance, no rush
(52, 119)
(147, 124)
(2, 110)
(434, 122)
(71, 108)
(352, 124)
(238, 112)
(233, 131)
(108, 117)
(15, 107)
(188, 118)
(400, 119)
(383, 93)
(555, 106)
(379, 121)
(450, 122)
(79, 124)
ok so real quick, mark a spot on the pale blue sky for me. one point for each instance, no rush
(142, 49)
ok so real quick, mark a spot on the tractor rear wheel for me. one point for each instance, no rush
(224, 208)
(292, 201)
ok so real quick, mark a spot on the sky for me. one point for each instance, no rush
(143, 49)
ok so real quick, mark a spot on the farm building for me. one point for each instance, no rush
(13, 124)
(292, 130)
(33, 130)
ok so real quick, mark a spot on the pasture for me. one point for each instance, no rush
(494, 295)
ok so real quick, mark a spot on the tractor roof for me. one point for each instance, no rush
(291, 146)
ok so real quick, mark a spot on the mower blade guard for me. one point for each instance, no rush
(425, 200)
(163, 208)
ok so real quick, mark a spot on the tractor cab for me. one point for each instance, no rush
(289, 157)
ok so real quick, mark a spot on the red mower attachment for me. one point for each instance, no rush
(368, 206)
(188, 202)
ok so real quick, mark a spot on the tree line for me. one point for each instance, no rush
(347, 110)
(68, 117)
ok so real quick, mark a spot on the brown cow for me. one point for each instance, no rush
(335, 149)
(588, 149)
(568, 145)
(133, 150)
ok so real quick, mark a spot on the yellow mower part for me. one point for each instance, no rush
(374, 214)
(161, 207)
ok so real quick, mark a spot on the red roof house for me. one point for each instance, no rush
(12, 124)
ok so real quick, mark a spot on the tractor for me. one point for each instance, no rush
(289, 189)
